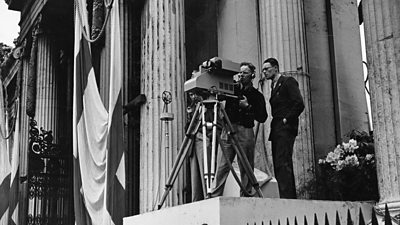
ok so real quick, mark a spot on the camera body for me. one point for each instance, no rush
(214, 75)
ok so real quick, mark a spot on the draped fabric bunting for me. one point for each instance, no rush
(8, 166)
(13, 145)
(99, 163)
(5, 167)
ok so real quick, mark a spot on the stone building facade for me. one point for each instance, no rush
(164, 40)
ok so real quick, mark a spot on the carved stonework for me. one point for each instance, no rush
(41, 26)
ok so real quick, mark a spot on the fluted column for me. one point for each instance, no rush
(382, 34)
(162, 69)
(282, 33)
(24, 141)
(282, 36)
(46, 113)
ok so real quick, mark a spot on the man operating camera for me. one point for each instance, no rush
(242, 112)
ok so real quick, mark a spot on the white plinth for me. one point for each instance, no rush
(254, 211)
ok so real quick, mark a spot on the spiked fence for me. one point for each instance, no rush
(387, 219)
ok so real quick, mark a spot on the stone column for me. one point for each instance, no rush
(382, 35)
(46, 113)
(162, 69)
(24, 142)
(282, 36)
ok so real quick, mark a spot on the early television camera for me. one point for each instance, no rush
(214, 75)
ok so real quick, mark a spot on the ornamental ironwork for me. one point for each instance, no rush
(41, 143)
(49, 182)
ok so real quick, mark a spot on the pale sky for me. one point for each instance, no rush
(8, 24)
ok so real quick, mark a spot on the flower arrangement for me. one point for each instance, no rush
(349, 171)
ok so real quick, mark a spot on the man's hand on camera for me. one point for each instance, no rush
(243, 103)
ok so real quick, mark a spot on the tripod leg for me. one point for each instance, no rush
(214, 141)
(256, 132)
(209, 171)
(183, 150)
(239, 151)
(205, 152)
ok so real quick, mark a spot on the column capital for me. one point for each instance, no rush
(41, 27)
(37, 29)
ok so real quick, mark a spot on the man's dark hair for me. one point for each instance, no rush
(250, 65)
(273, 62)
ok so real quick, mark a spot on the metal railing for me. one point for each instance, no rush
(50, 184)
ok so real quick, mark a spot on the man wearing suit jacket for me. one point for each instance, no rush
(286, 106)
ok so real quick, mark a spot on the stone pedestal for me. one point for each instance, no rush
(162, 69)
(257, 211)
(283, 37)
(382, 32)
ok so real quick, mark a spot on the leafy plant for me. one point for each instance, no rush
(349, 171)
(4, 51)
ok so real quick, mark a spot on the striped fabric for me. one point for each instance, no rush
(5, 167)
(8, 167)
(14, 161)
(99, 163)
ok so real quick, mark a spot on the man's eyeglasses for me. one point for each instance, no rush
(265, 70)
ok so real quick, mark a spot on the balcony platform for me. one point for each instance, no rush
(254, 211)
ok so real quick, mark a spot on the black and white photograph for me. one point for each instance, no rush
(199, 112)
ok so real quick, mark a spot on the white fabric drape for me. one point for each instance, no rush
(5, 166)
(92, 122)
(9, 163)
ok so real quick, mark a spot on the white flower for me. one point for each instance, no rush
(346, 146)
(321, 161)
(369, 157)
(353, 142)
(338, 151)
(341, 164)
(352, 160)
(353, 145)
(332, 158)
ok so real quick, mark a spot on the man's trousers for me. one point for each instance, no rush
(225, 157)
(282, 151)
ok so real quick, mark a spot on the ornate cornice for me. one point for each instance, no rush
(29, 17)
